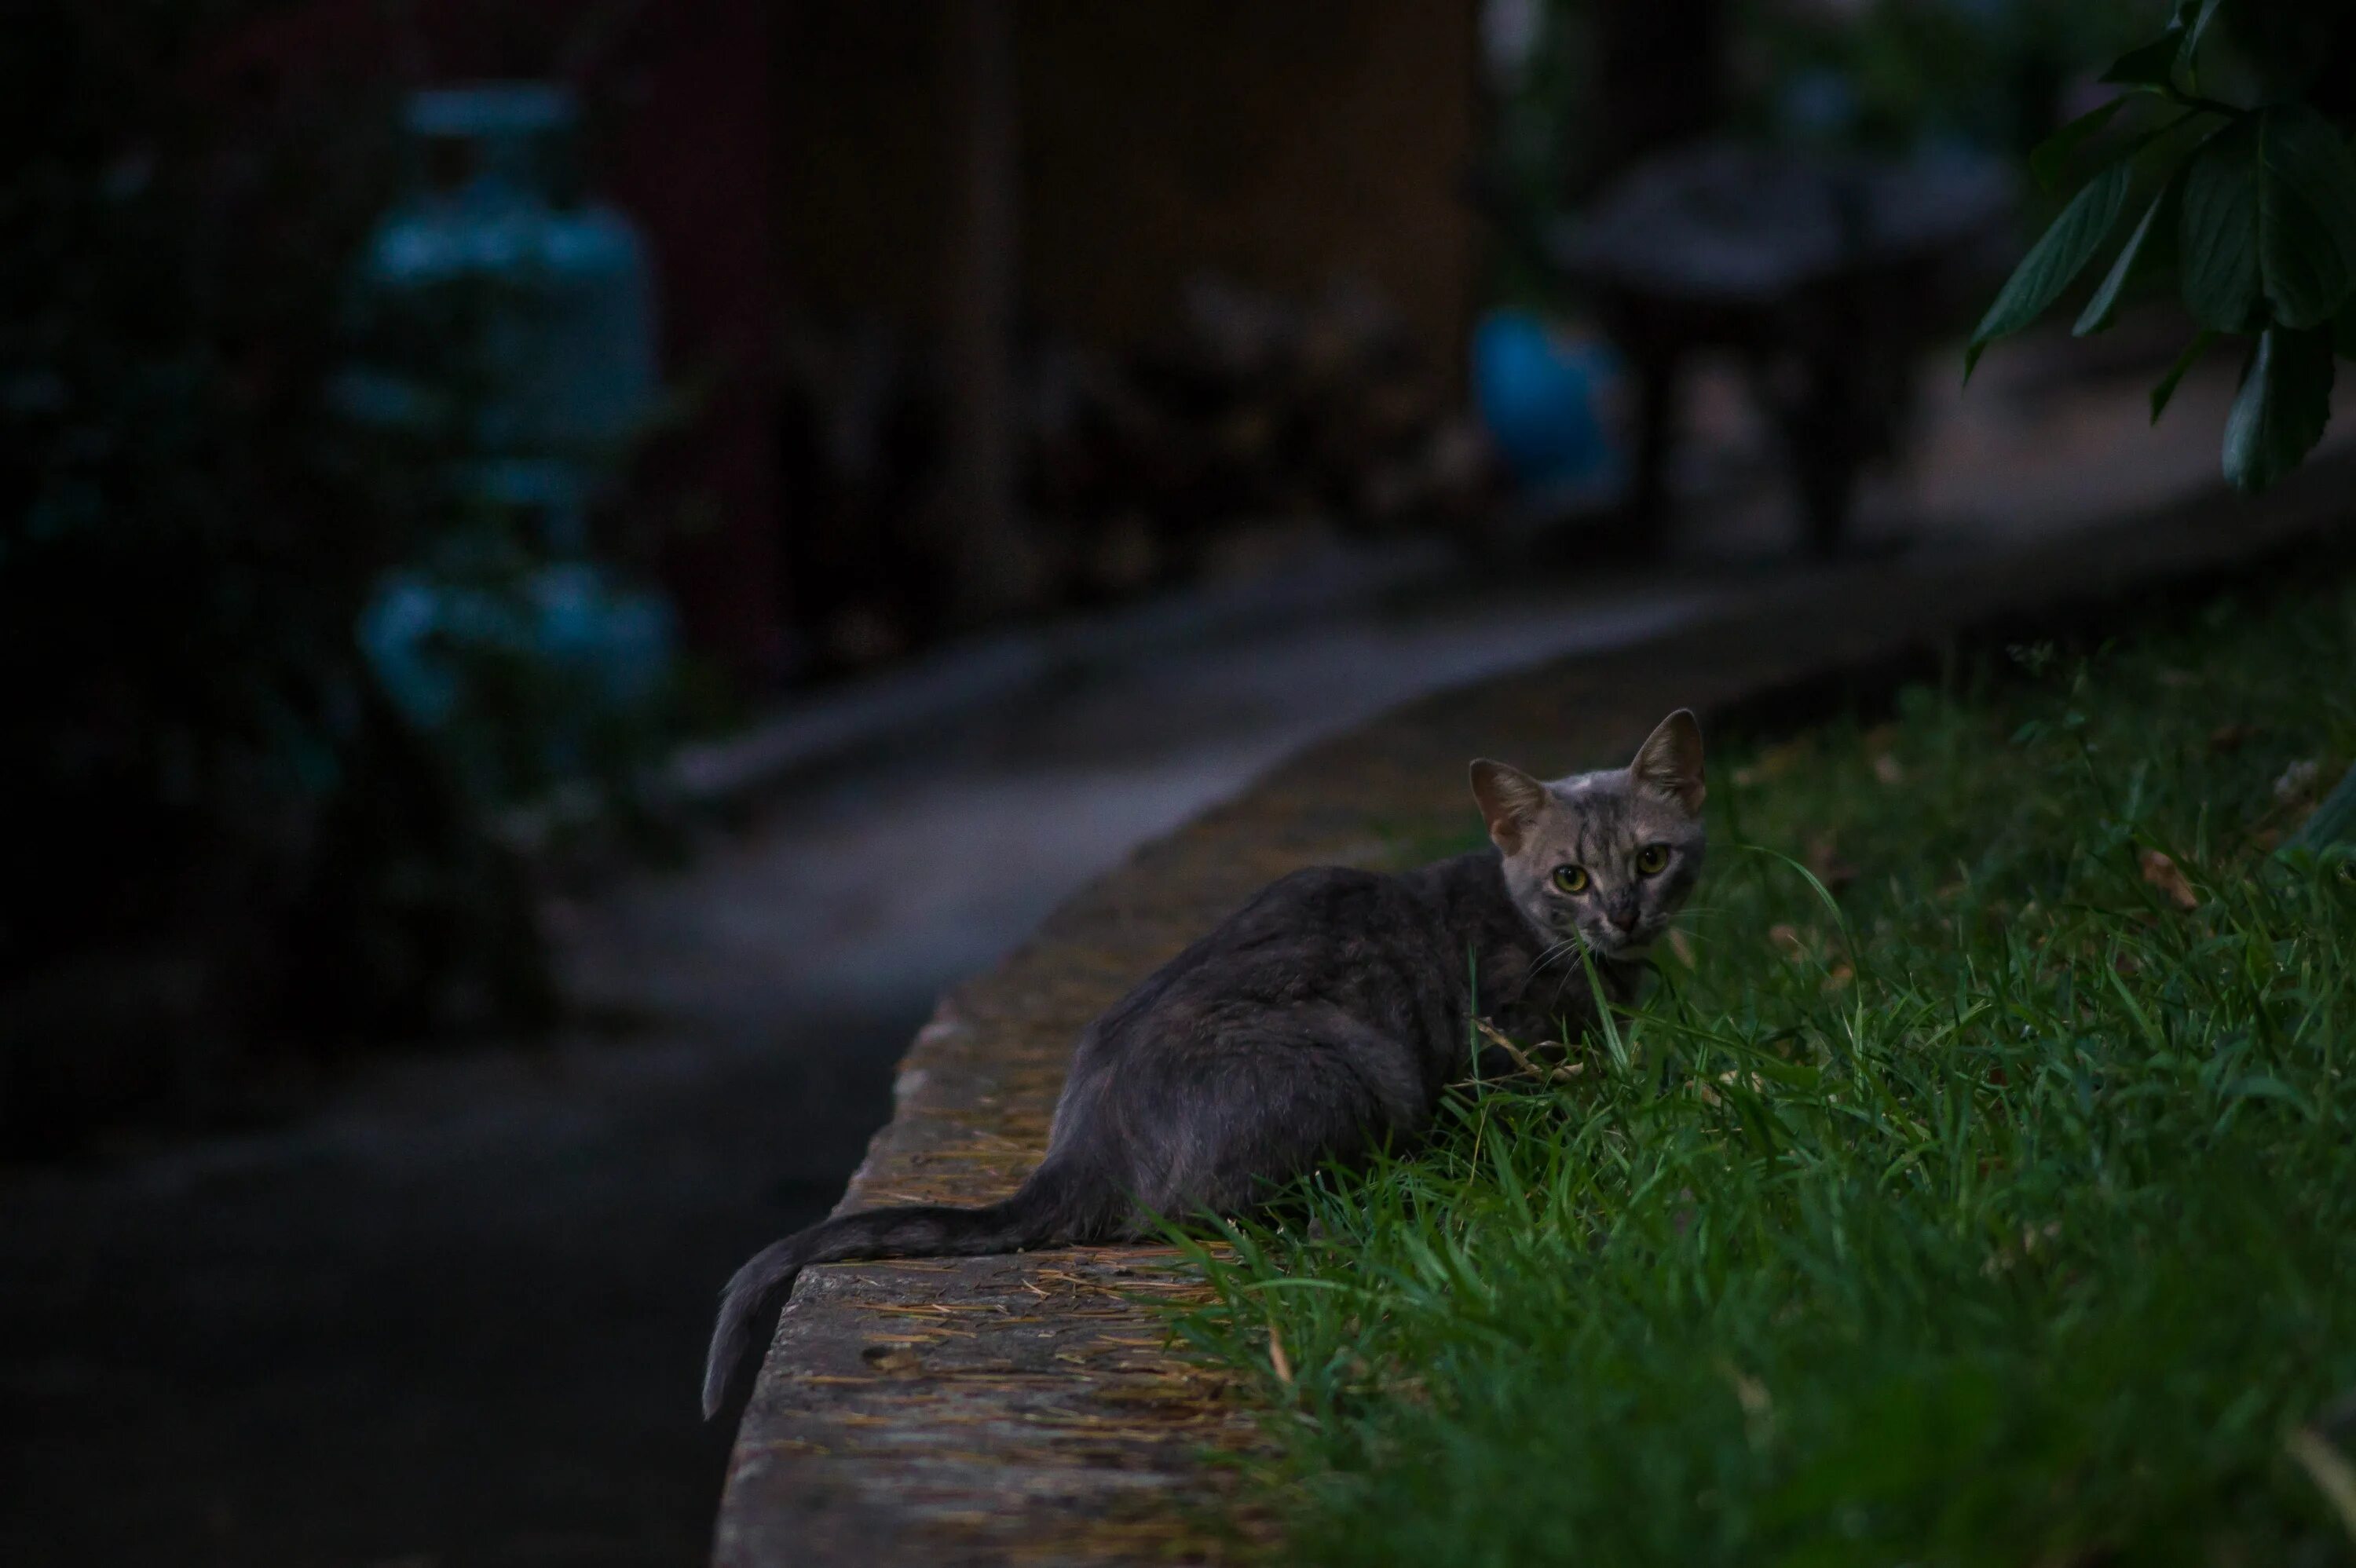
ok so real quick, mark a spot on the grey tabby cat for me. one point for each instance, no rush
(1321, 1019)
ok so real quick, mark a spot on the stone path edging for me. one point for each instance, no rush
(1025, 1408)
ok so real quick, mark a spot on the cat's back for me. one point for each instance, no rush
(1320, 923)
(1374, 947)
(1323, 905)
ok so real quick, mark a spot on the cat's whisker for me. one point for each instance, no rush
(1553, 953)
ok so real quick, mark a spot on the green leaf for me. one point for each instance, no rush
(2270, 213)
(2137, 259)
(2059, 256)
(2194, 30)
(2261, 1088)
(2152, 65)
(2193, 350)
(2219, 242)
(2053, 153)
(2280, 412)
(2333, 821)
(2307, 215)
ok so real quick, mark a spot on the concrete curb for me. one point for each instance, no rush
(1027, 1409)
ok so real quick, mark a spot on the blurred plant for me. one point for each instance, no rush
(2247, 190)
(1893, 73)
(1885, 74)
(202, 763)
(501, 330)
(1540, 77)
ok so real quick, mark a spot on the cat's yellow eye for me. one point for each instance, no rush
(1571, 878)
(1653, 860)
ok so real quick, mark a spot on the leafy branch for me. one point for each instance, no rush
(2251, 209)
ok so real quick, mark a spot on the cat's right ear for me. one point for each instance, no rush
(1669, 762)
(1510, 801)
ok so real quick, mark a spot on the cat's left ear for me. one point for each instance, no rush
(1669, 762)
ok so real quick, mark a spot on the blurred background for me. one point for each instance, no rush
(567, 564)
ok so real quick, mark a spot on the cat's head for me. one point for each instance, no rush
(1606, 857)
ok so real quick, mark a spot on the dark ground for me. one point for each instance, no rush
(453, 1321)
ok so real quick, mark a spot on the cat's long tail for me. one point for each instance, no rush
(1038, 1212)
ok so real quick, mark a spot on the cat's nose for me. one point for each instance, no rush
(1625, 919)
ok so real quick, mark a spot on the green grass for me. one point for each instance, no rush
(1995, 1210)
